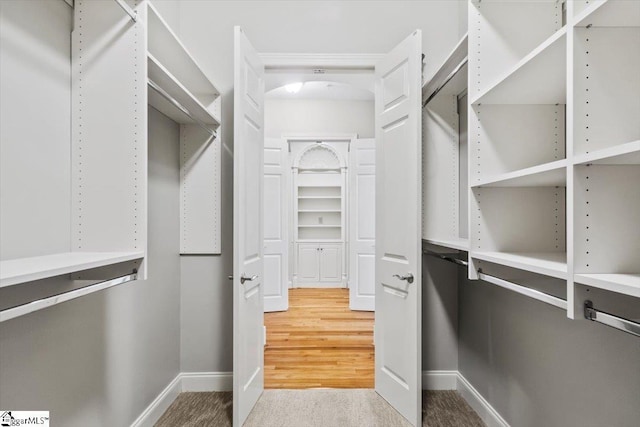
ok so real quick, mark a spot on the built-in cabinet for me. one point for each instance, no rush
(553, 154)
(319, 263)
(320, 205)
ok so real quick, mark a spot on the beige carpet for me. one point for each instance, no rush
(322, 408)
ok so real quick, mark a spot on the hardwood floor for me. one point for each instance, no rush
(319, 342)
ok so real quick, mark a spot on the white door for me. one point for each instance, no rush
(308, 262)
(331, 263)
(248, 240)
(276, 226)
(398, 233)
(362, 228)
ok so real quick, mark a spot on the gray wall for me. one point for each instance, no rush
(35, 128)
(103, 358)
(206, 27)
(537, 368)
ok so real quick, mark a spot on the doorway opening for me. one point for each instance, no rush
(319, 228)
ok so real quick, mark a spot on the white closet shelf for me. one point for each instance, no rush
(539, 78)
(319, 226)
(552, 174)
(320, 197)
(165, 45)
(628, 284)
(623, 154)
(610, 13)
(161, 76)
(319, 211)
(552, 264)
(456, 243)
(21, 270)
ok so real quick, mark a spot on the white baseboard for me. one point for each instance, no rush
(186, 381)
(487, 413)
(207, 381)
(160, 404)
(439, 380)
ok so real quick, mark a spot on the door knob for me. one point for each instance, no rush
(243, 278)
(408, 277)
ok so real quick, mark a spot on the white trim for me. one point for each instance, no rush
(343, 61)
(160, 404)
(439, 380)
(207, 381)
(485, 411)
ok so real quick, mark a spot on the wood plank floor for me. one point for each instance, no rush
(319, 342)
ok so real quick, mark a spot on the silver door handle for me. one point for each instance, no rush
(408, 277)
(247, 279)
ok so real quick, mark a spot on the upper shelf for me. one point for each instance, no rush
(552, 264)
(552, 174)
(623, 154)
(15, 271)
(539, 78)
(167, 48)
(161, 76)
(627, 284)
(610, 13)
(444, 78)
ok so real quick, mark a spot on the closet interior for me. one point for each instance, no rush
(123, 60)
(537, 192)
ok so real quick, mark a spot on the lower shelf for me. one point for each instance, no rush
(627, 284)
(21, 270)
(552, 264)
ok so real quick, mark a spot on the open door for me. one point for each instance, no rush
(276, 226)
(248, 233)
(398, 321)
(362, 227)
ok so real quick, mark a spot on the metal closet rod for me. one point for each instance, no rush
(447, 80)
(445, 257)
(610, 320)
(132, 13)
(153, 85)
(30, 307)
(523, 290)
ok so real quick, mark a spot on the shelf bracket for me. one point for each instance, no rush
(132, 13)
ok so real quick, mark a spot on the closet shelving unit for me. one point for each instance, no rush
(554, 137)
(119, 62)
(444, 154)
(517, 160)
(178, 88)
(606, 162)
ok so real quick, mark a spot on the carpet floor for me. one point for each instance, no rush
(321, 408)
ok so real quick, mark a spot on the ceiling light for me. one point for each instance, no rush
(293, 87)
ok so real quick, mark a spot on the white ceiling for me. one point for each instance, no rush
(323, 90)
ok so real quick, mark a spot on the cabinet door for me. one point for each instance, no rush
(330, 263)
(308, 263)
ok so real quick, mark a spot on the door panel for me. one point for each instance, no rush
(276, 223)
(398, 232)
(330, 263)
(248, 239)
(362, 225)
(308, 263)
